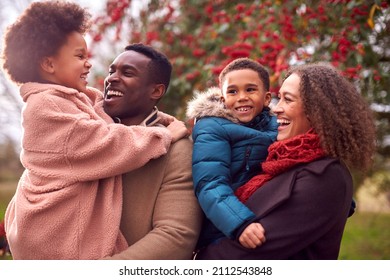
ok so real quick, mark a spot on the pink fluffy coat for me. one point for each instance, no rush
(68, 201)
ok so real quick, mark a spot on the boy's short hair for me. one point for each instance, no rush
(40, 32)
(246, 63)
(160, 68)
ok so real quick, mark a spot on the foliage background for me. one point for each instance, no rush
(200, 37)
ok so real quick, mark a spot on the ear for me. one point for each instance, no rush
(222, 99)
(158, 91)
(47, 65)
(267, 98)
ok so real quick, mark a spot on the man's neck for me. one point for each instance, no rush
(146, 120)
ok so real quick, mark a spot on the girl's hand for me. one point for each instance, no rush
(178, 130)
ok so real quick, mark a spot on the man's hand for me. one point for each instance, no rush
(252, 236)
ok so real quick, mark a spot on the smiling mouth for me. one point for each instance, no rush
(243, 109)
(113, 93)
(283, 122)
(84, 76)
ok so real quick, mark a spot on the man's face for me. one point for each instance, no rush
(128, 91)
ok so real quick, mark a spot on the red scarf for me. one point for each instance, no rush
(283, 155)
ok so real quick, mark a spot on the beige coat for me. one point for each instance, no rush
(161, 217)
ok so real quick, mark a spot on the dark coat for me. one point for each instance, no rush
(303, 212)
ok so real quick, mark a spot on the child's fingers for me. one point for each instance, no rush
(252, 236)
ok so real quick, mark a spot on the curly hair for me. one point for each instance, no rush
(338, 113)
(246, 63)
(40, 32)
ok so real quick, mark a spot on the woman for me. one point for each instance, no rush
(303, 197)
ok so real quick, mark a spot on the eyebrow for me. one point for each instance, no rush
(252, 85)
(249, 84)
(290, 94)
(124, 67)
(81, 49)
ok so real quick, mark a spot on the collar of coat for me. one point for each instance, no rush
(208, 104)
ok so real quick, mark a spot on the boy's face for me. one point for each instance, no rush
(244, 94)
(70, 66)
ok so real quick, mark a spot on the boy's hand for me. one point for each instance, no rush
(252, 236)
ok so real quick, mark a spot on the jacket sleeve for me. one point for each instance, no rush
(177, 217)
(295, 210)
(211, 172)
(71, 143)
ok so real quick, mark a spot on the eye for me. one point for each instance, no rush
(251, 89)
(128, 74)
(231, 91)
(287, 99)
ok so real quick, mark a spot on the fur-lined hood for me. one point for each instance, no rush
(208, 104)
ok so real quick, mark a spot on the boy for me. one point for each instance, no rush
(231, 136)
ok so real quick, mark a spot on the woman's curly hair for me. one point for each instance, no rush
(338, 113)
(39, 32)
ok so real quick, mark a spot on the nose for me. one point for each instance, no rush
(88, 64)
(277, 108)
(111, 77)
(242, 95)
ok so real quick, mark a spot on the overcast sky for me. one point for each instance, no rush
(9, 115)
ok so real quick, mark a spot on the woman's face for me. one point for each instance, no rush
(290, 114)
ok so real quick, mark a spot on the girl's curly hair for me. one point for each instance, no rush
(39, 32)
(338, 113)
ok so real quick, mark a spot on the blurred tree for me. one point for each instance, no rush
(10, 166)
(10, 104)
(200, 37)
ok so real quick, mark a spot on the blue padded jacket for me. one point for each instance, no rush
(225, 156)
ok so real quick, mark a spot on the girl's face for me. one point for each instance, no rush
(70, 66)
(244, 94)
(289, 110)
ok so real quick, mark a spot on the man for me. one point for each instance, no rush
(161, 218)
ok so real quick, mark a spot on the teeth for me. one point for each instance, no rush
(280, 121)
(243, 109)
(114, 93)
